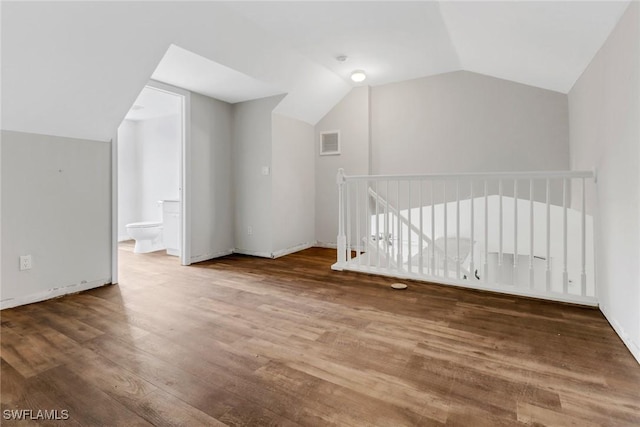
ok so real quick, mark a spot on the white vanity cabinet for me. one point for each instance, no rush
(171, 220)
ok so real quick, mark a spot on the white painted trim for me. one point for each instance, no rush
(185, 183)
(300, 247)
(626, 339)
(114, 209)
(326, 245)
(572, 299)
(472, 175)
(206, 257)
(335, 246)
(185, 167)
(53, 293)
(253, 253)
(330, 153)
(260, 254)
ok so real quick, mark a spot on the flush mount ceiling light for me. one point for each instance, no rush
(358, 76)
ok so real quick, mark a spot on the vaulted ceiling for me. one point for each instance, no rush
(75, 68)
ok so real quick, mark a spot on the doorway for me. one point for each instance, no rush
(150, 176)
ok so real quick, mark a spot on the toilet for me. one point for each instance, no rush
(148, 236)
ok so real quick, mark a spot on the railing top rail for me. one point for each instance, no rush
(474, 175)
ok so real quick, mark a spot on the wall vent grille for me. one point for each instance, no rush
(330, 143)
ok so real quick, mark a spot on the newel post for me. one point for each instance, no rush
(342, 238)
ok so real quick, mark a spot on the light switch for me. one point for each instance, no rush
(266, 170)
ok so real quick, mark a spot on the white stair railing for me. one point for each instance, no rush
(525, 233)
(422, 239)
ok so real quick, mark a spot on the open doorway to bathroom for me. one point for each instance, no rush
(149, 152)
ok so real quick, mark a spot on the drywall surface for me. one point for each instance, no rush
(467, 122)
(454, 122)
(160, 160)
(64, 63)
(56, 197)
(129, 177)
(604, 108)
(148, 167)
(293, 184)
(351, 118)
(211, 203)
(251, 153)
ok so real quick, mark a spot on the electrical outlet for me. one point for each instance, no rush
(249, 230)
(25, 262)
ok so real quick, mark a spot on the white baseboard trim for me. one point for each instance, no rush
(626, 339)
(276, 254)
(52, 293)
(297, 248)
(335, 246)
(326, 245)
(253, 253)
(206, 257)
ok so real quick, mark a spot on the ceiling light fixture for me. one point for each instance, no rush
(358, 76)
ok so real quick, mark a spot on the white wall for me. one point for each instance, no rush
(604, 107)
(149, 153)
(252, 134)
(467, 122)
(293, 185)
(56, 195)
(211, 178)
(160, 140)
(351, 117)
(129, 177)
(454, 122)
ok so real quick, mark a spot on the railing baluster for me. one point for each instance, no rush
(515, 232)
(367, 205)
(458, 229)
(341, 238)
(471, 259)
(348, 202)
(565, 273)
(377, 226)
(548, 272)
(399, 239)
(409, 266)
(583, 275)
(531, 278)
(486, 231)
(421, 237)
(358, 241)
(386, 226)
(446, 253)
(388, 233)
(432, 246)
(500, 233)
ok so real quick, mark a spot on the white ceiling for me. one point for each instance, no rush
(185, 69)
(75, 68)
(547, 44)
(153, 103)
(392, 41)
(540, 43)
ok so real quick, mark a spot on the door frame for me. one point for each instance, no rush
(185, 180)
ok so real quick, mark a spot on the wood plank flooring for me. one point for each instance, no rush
(250, 341)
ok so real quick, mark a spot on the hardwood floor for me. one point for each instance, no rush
(249, 341)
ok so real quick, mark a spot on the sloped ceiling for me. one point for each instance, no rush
(75, 68)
